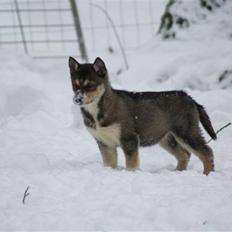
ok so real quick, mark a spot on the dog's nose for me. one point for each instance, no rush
(77, 99)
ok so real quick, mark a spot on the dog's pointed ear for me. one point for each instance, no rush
(99, 67)
(73, 64)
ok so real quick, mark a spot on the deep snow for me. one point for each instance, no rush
(41, 146)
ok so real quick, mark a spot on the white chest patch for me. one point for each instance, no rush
(109, 135)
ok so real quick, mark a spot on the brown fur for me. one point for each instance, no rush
(127, 119)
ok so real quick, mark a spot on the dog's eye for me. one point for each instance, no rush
(76, 87)
(90, 87)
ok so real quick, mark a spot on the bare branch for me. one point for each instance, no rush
(115, 32)
(228, 124)
(26, 193)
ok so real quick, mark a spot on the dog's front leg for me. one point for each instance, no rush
(130, 148)
(109, 155)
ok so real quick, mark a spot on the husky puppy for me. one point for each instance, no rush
(132, 119)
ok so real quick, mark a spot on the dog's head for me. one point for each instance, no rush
(88, 80)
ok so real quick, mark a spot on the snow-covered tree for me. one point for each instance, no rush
(179, 14)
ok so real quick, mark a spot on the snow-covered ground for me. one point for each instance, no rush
(43, 147)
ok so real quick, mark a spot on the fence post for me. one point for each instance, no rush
(21, 27)
(78, 29)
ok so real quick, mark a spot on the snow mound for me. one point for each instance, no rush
(20, 100)
(198, 59)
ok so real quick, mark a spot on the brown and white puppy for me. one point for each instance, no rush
(132, 119)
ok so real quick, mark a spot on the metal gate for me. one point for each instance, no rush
(47, 28)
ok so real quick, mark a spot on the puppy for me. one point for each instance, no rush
(132, 119)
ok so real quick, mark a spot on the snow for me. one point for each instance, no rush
(44, 145)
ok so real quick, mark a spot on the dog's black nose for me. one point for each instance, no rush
(78, 100)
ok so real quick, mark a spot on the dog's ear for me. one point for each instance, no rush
(99, 67)
(73, 64)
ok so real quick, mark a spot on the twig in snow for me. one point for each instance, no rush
(228, 124)
(26, 193)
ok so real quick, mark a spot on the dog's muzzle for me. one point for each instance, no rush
(77, 99)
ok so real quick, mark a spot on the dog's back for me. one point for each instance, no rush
(156, 113)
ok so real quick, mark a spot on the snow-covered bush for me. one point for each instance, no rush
(181, 14)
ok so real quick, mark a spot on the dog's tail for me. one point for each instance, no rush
(205, 120)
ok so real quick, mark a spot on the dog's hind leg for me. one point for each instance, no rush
(195, 143)
(169, 143)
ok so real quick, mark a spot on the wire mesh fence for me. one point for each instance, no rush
(46, 28)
